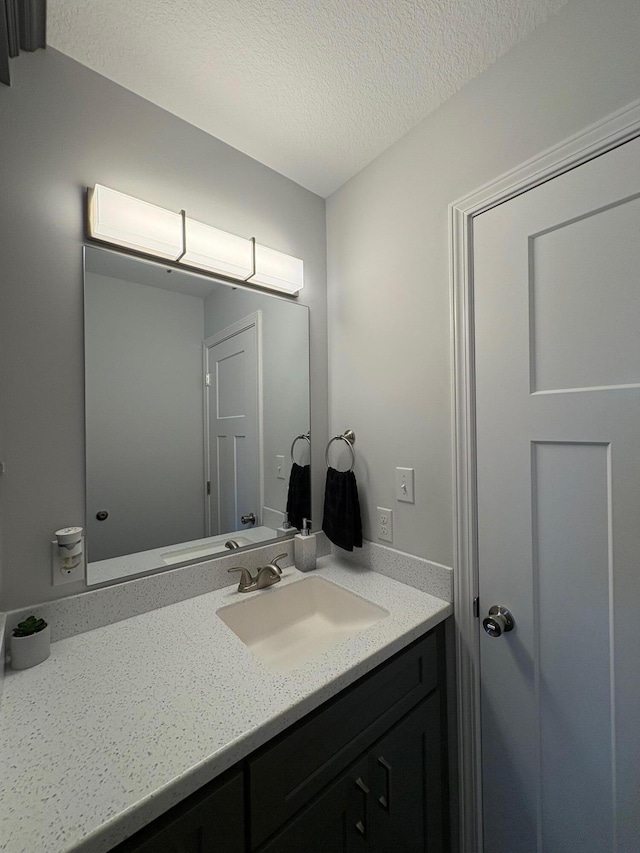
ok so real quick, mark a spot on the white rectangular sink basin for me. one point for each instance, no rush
(286, 626)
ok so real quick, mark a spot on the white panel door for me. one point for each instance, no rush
(557, 325)
(232, 404)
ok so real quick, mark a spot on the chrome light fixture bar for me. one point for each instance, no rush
(122, 220)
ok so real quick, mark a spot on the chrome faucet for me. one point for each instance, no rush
(266, 576)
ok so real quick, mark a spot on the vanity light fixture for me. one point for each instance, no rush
(277, 270)
(125, 221)
(217, 251)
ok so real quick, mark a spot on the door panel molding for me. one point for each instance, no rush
(614, 130)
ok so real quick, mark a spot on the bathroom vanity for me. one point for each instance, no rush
(165, 732)
(366, 771)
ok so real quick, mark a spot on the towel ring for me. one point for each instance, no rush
(302, 437)
(349, 437)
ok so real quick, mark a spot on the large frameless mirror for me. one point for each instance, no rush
(197, 406)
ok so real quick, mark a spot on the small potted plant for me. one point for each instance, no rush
(30, 643)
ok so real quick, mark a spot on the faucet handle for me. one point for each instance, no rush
(274, 562)
(246, 578)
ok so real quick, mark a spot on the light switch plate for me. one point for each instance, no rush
(405, 485)
(281, 474)
(385, 524)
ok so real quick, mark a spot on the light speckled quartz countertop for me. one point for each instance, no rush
(124, 721)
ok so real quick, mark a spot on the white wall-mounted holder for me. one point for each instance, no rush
(122, 220)
(67, 555)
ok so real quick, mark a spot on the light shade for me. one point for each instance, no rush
(277, 270)
(125, 221)
(143, 227)
(210, 249)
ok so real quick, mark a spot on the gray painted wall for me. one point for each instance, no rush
(144, 416)
(285, 376)
(387, 236)
(65, 128)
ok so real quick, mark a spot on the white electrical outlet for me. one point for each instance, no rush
(404, 485)
(385, 524)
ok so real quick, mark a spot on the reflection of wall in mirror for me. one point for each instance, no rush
(144, 416)
(285, 369)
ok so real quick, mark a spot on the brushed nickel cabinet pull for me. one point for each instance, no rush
(385, 799)
(361, 825)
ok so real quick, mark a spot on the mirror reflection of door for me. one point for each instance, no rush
(233, 396)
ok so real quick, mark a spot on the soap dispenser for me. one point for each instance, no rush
(287, 528)
(304, 548)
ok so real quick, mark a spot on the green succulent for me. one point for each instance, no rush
(29, 626)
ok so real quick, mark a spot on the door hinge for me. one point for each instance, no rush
(207, 380)
(208, 487)
(476, 607)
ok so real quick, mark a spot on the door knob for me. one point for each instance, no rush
(250, 518)
(498, 620)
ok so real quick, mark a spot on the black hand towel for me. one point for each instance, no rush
(341, 521)
(299, 495)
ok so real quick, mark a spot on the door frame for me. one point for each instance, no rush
(253, 320)
(614, 130)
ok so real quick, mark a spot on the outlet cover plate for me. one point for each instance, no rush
(385, 524)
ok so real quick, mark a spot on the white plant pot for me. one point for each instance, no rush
(31, 650)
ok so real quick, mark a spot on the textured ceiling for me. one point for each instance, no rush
(315, 89)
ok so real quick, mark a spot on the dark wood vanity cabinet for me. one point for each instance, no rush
(210, 820)
(334, 821)
(407, 806)
(366, 772)
(390, 801)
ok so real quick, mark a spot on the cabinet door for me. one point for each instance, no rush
(298, 766)
(338, 821)
(407, 785)
(210, 821)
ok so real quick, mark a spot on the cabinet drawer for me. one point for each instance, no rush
(302, 761)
